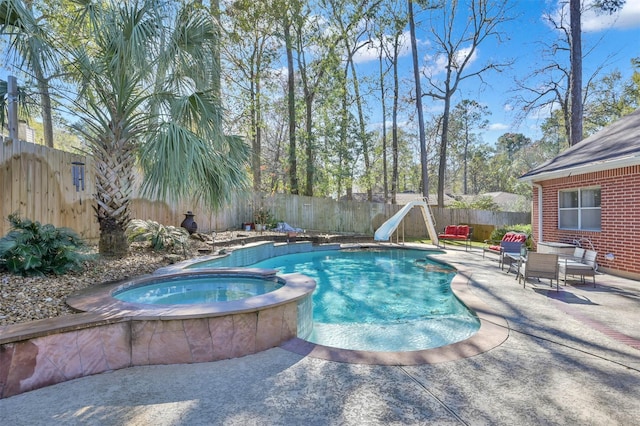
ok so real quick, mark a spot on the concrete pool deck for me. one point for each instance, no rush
(571, 357)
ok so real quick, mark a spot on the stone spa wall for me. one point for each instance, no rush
(110, 335)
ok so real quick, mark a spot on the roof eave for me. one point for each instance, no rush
(617, 163)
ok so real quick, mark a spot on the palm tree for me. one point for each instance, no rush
(147, 98)
(22, 103)
(29, 47)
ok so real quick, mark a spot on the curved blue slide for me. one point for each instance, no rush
(387, 229)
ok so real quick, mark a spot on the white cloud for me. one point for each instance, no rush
(628, 17)
(438, 64)
(498, 126)
(593, 21)
(507, 107)
(371, 51)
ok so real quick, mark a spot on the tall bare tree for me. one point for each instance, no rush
(456, 40)
(418, 88)
(286, 22)
(467, 116)
(575, 84)
(575, 15)
(250, 51)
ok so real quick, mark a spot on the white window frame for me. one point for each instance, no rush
(579, 209)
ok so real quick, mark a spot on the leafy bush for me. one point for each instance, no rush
(478, 203)
(32, 249)
(159, 237)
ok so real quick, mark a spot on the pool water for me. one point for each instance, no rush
(198, 289)
(380, 299)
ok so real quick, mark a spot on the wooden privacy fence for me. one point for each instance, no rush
(38, 183)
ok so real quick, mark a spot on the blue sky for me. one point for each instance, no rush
(608, 41)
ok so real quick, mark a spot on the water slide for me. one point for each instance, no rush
(387, 229)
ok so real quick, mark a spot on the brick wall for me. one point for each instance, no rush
(620, 216)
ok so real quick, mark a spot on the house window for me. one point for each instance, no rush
(579, 209)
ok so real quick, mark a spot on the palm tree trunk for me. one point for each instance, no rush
(114, 184)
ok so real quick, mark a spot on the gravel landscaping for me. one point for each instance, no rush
(31, 298)
(37, 297)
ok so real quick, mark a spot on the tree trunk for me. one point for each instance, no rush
(442, 166)
(113, 243)
(45, 104)
(363, 132)
(342, 152)
(465, 186)
(255, 147)
(309, 145)
(576, 72)
(385, 180)
(258, 140)
(215, 11)
(114, 161)
(416, 76)
(394, 126)
(291, 98)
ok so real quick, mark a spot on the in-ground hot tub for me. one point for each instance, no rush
(188, 289)
(250, 310)
(110, 334)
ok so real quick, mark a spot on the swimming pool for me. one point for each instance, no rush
(380, 299)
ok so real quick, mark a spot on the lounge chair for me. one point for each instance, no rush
(579, 267)
(539, 265)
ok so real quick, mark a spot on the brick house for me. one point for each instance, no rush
(591, 192)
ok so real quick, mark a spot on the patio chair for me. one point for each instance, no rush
(494, 246)
(579, 267)
(577, 255)
(539, 265)
(510, 252)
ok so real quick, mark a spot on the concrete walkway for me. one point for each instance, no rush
(572, 357)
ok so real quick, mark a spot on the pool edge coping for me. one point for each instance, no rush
(99, 299)
(493, 331)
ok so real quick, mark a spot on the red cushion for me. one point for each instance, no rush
(463, 230)
(495, 248)
(514, 237)
(450, 230)
(451, 237)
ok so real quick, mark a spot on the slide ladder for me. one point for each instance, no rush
(388, 228)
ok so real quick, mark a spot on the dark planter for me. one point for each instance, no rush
(188, 223)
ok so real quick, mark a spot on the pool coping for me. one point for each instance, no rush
(99, 299)
(493, 331)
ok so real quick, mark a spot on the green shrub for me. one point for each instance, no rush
(34, 249)
(478, 203)
(159, 237)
